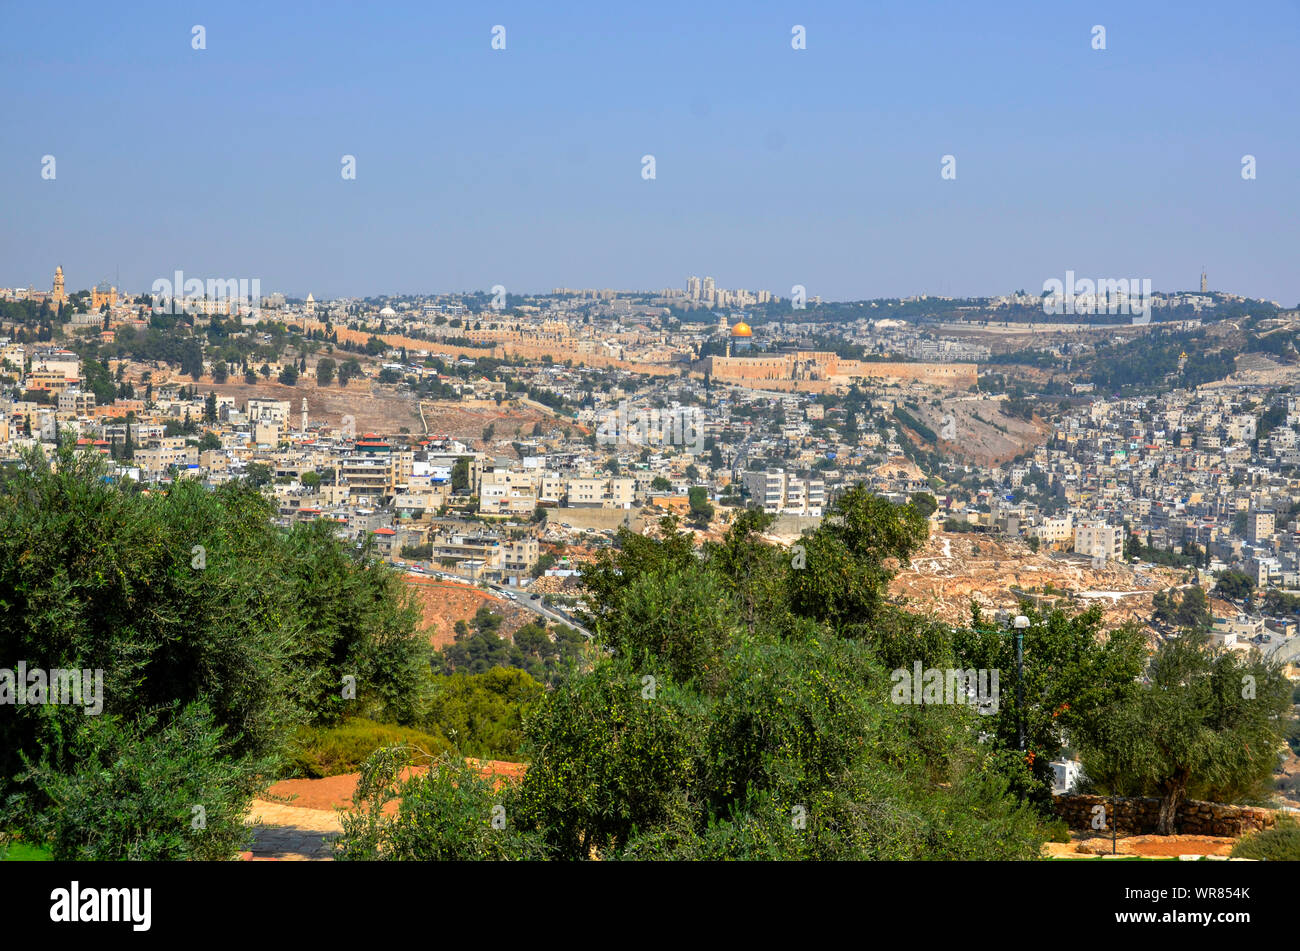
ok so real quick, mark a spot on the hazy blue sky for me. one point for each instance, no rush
(774, 166)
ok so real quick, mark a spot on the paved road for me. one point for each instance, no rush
(1285, 651)
(523, 599)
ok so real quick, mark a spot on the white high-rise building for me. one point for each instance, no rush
(780, 492)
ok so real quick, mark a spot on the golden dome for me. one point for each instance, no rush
(741, 330)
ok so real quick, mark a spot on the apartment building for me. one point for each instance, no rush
(1260, 526)
(270, 411)
(73, 400)
(508, 491)
(781, 492)
(519, 555)
(155, 460)
(1099, 540)
(601, 492)
(1055, 530)
(1237, 632)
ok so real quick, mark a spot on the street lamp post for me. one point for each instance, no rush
(1019, 623)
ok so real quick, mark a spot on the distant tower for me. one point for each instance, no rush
(59, 295)
(311, 306)
(1204, 284)
(304, 414)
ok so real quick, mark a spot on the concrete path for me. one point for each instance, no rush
(290, 833)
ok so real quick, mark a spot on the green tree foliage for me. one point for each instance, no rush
(356, 620)
(675, 621)
(1072, 675)
(701, 736)
(545, 654)
(1236, 585)
(1279, 844)
(444, 813)
(545, 561)
(753, 571)
(99, 381)
(215, 631)
(701, 508)
(325, 371)
(924, 503)
(129, 791)
(613, 763)
(483, 713)
(460, 476)
(1188, 608)
(258, 474)
(1206, 724)
(350, 369)
(344, 748)
(851, 557)
(632, 555)
(1279, 602)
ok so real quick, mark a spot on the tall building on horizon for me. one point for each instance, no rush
(59, 295)
(1204, 283)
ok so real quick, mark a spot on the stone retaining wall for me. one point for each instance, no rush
(1139, 816)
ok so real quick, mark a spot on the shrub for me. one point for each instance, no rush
(330, 751)
(163, 788)
(483, 713)
(448, 813)
(1279, 844)
(1057, 830)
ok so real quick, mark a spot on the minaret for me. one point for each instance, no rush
(1203, 282)
(304, 414)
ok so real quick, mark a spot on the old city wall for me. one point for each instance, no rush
(560, 353)
(527, 351)
(778, 372)
(956, 375)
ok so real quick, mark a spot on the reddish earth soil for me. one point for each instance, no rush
(443, 603)
(468, 421)
(375, 408)
(336, 791)
(1151, 846)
